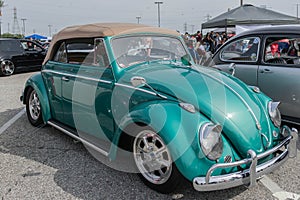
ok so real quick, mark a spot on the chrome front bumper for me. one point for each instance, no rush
(287, 148)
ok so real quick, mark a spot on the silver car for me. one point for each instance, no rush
(268, 58)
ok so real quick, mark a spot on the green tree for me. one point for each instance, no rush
(10, 35)
(1, 6)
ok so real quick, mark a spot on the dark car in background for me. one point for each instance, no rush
(268, 58)
(18, 55)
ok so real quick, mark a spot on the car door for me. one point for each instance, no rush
(87, 89)
(34, 53)
(278, 76)
(244, 53)
(13, 50)
(52, 73)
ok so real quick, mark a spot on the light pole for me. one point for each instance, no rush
(23, 21)
(297, 10)
(1, 6)
(158, 8)
(49, 26)
(192, 26)
(138, 19)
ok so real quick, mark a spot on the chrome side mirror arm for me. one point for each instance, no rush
(138, 81)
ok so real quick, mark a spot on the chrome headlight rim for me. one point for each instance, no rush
(274, 113)
(210, 140)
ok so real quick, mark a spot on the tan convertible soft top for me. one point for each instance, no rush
(102, 30)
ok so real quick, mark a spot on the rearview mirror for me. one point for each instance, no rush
(186, 60)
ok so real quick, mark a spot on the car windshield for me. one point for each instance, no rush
(137, 49)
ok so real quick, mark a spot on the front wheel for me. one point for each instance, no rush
(33, 108)
(154, 162)
(7, 67)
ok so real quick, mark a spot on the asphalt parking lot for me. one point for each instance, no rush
(43, 163)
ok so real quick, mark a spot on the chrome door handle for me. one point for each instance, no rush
(64, 78)
(265, 71)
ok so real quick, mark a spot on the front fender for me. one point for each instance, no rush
(179, 130)
(37, 83)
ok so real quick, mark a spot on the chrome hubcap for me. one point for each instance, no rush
(152, 157)
(34, 106)
(7, 67)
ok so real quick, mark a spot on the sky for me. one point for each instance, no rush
(48, 17)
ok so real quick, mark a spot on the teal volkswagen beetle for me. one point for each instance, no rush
(133, 90)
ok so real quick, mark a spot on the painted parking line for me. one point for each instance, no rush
(12, 120)
(278, 192)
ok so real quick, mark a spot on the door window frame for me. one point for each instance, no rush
(252, 61)
(263, 52)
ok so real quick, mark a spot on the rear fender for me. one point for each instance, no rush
(37, 83)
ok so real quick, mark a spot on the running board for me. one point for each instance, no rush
(78, 138)
(291, 122)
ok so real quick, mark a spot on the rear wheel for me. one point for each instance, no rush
(154, 162)
(33, 108)
(7, 67)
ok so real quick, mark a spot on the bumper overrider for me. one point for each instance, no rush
(287, 148)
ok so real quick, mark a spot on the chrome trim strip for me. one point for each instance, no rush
(210, 183)
(76, 76)
(103, 81)
(140, 89)
(241, 61)
(239, 96)
(79, 139)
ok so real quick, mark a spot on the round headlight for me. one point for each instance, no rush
(274, 113)
(211, 141)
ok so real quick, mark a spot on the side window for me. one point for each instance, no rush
(30, 46)
(80, 51)
(61, 54)
(282, 50)
(37, 47)
(100, 55)
(245, 49)
(10, 45)
(83, 51)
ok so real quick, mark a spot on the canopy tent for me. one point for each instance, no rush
(36, 37)
(249, 14)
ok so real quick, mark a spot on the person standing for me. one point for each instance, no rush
(210, 42)
(198, 36)
(218, 41)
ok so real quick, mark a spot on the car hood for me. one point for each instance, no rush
(221, 98)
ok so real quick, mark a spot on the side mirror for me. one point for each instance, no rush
(186, 60)
(138, 81)
(232, 68)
